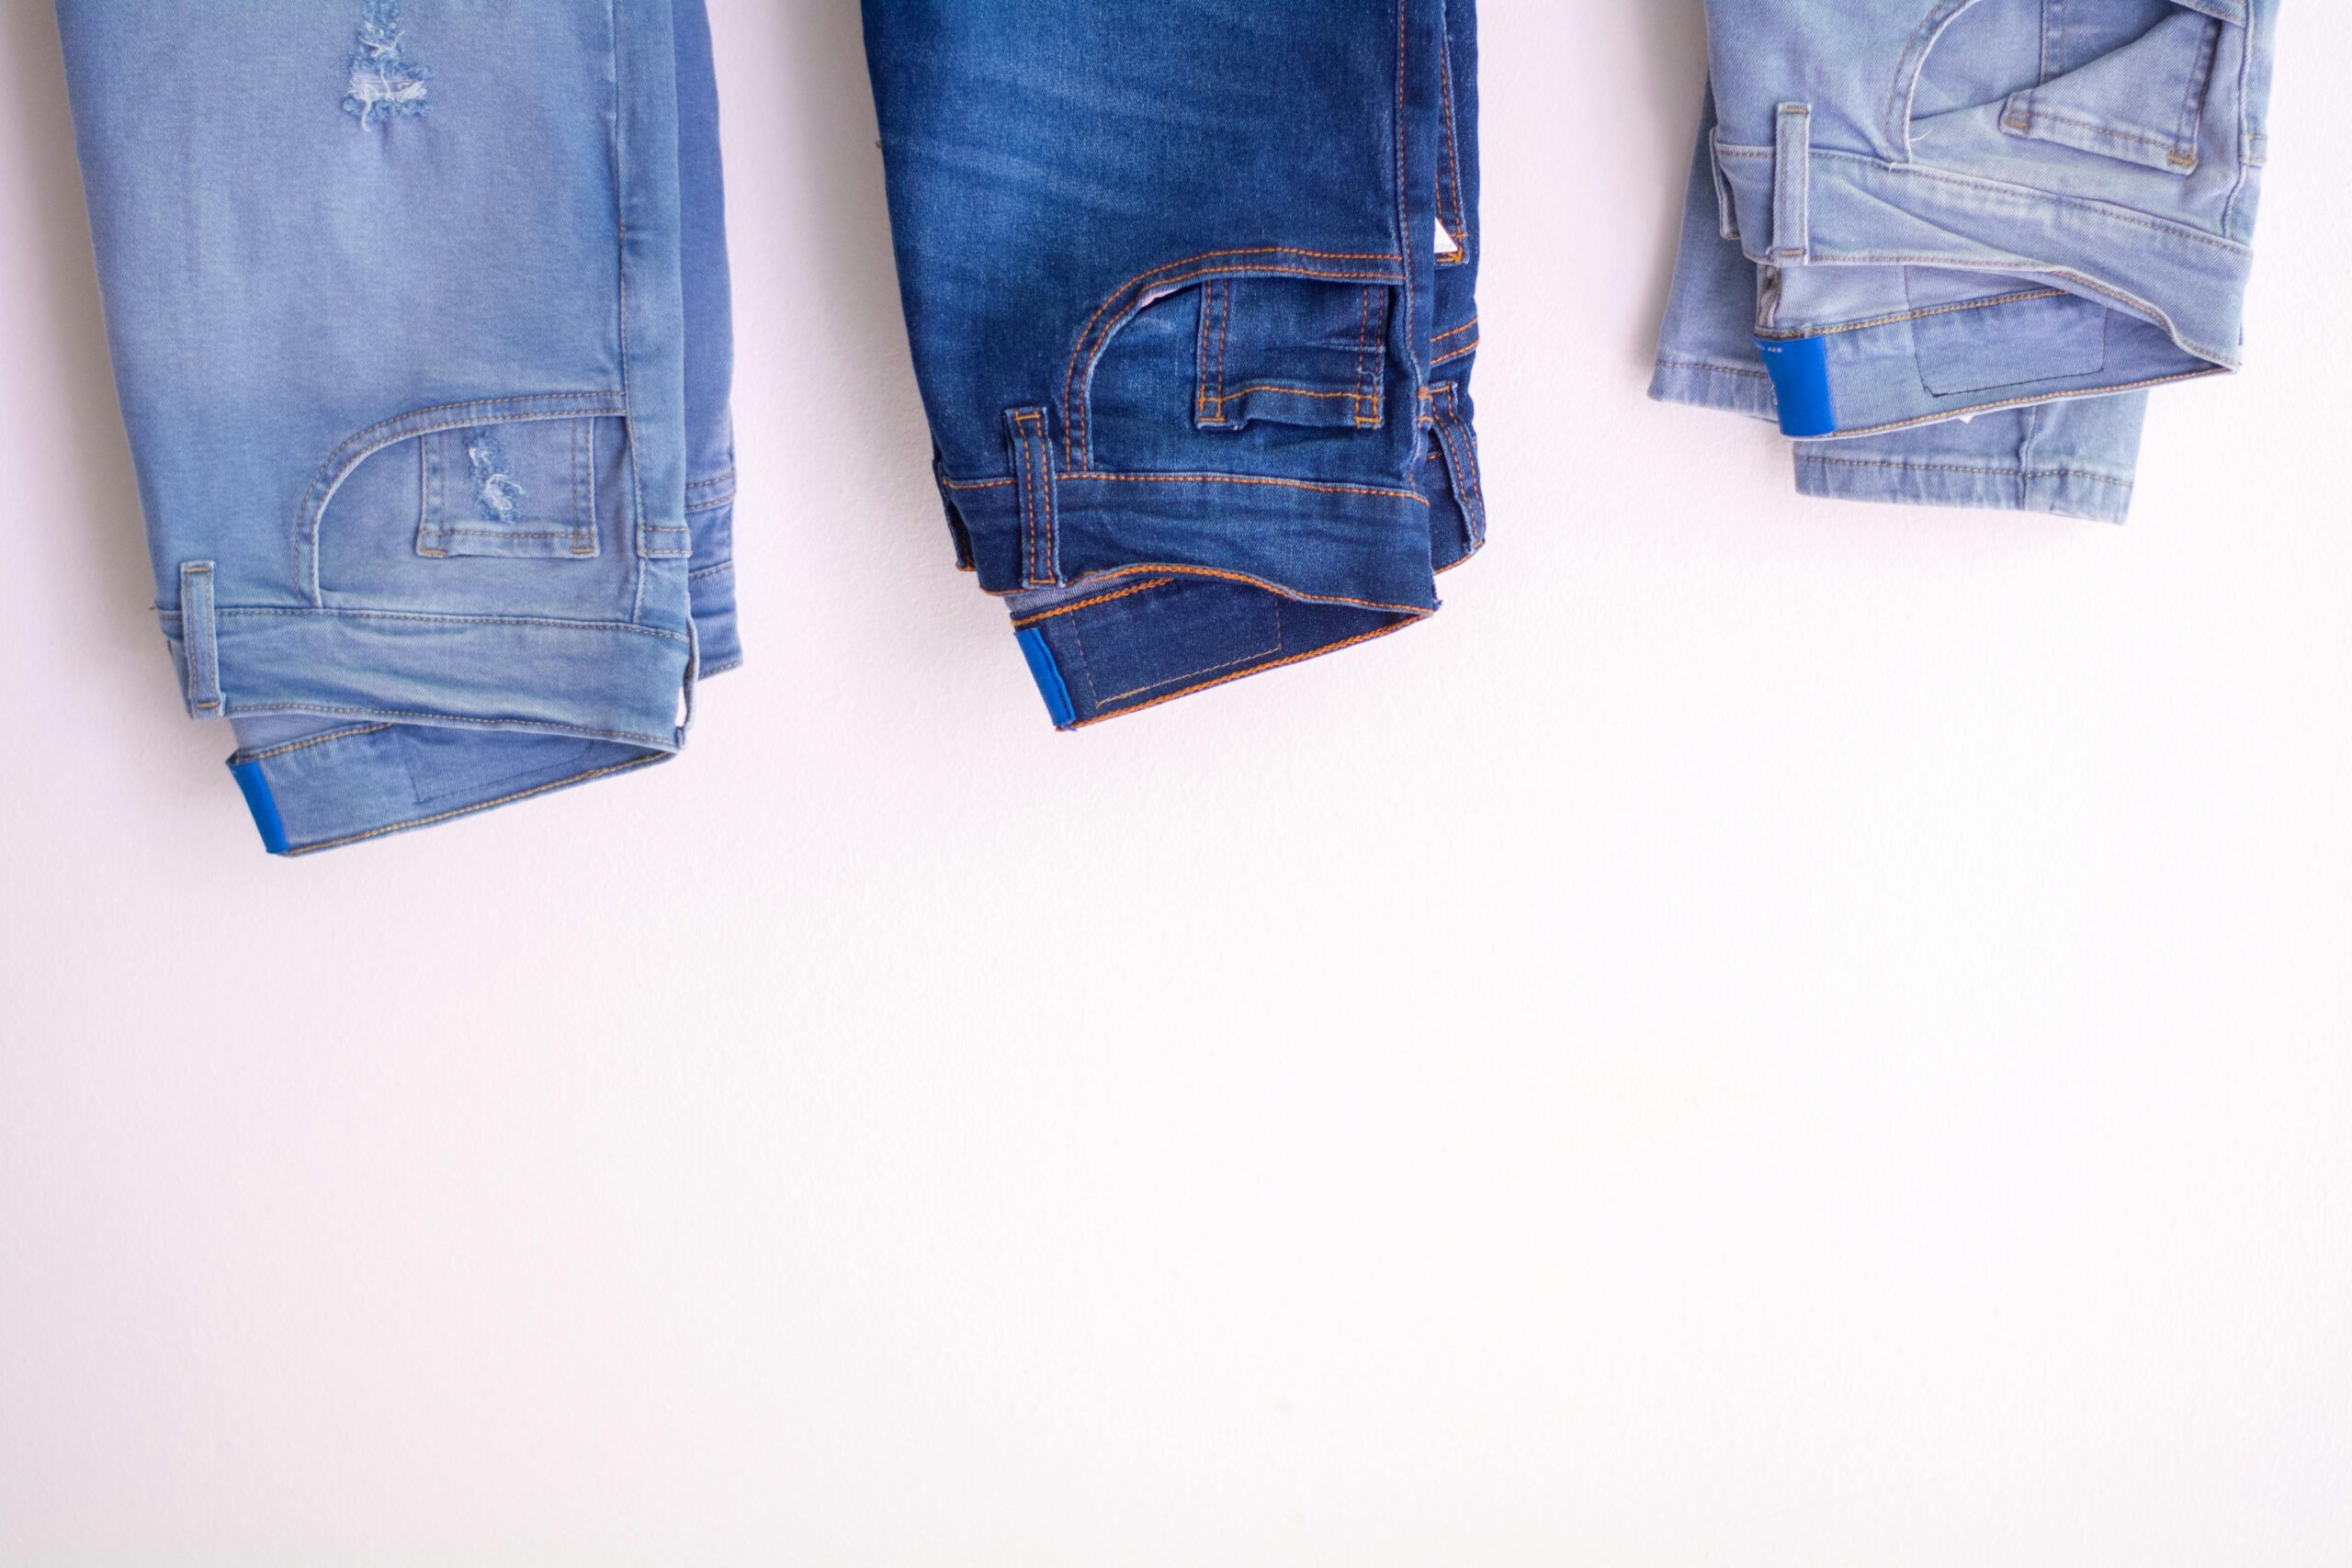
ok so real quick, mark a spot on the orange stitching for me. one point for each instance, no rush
(1169, 267)
(984, 484)
(1455, 333)
(1255, 669)
(1287, 391)
(1244, 479)
(1085, 414)
(1224, 335)
(1448, 358)
(1027, 621)
(1453, 155)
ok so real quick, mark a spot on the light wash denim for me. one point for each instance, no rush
(1952, 245)
(419, 315)
(1191, 290)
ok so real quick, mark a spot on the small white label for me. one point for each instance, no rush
(1445, 246)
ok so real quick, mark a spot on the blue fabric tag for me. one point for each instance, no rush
(263, 805)
(1048, 676)
(1800, 367)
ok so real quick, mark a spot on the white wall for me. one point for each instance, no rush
(1772, 1032)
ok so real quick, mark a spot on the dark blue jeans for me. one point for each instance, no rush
(1191, 292)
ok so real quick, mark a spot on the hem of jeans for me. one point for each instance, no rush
(606, 679)
(2065, 492)
(589, 776)
(1263, 667)
(1730, 388)
(1328, 541)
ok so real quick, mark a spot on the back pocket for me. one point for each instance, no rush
(2141, 99)
(1281, 351)
(526, 488)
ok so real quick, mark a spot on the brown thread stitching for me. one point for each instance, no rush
(1458, 332)
(1169, 267)
(1448, 358)
(483, 806)
(316, 740)
(1243, 674)
(1025, 622)
(1964, 468)
(1085, 415)
(1240, 479)
(1288, 392)
(1453, 156)
(1224, 335)
(978, 484)
(1363, 350)
(1082, 405)
(1404, 208)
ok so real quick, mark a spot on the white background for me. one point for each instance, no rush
(1772, 1032)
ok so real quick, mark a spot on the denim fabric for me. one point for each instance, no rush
(1189, 290)
(419, 317)
(1952, 245)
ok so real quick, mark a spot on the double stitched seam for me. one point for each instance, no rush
(1404, 206)
(1070, 413)
(1023, 623)
(2028, 473)
(364, 444)
(2192, 104)
(313, 740)
(1458, 225)
(629, 627)
(1713, 370)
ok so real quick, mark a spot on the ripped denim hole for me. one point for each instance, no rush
(500, 497)
(383, 81)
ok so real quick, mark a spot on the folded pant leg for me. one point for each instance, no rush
(1190, 287)
(1962, 292)
(399, 318)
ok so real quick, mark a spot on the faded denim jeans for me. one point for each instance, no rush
(1951, 245)
(421, 339)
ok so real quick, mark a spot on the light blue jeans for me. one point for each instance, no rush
(1952, 245)
(419, 317)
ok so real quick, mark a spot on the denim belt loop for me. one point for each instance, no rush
(1791, 175)
(198, 642)
(1032, 473)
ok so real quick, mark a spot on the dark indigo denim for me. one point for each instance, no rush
(420, 323)
(1191, 292)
